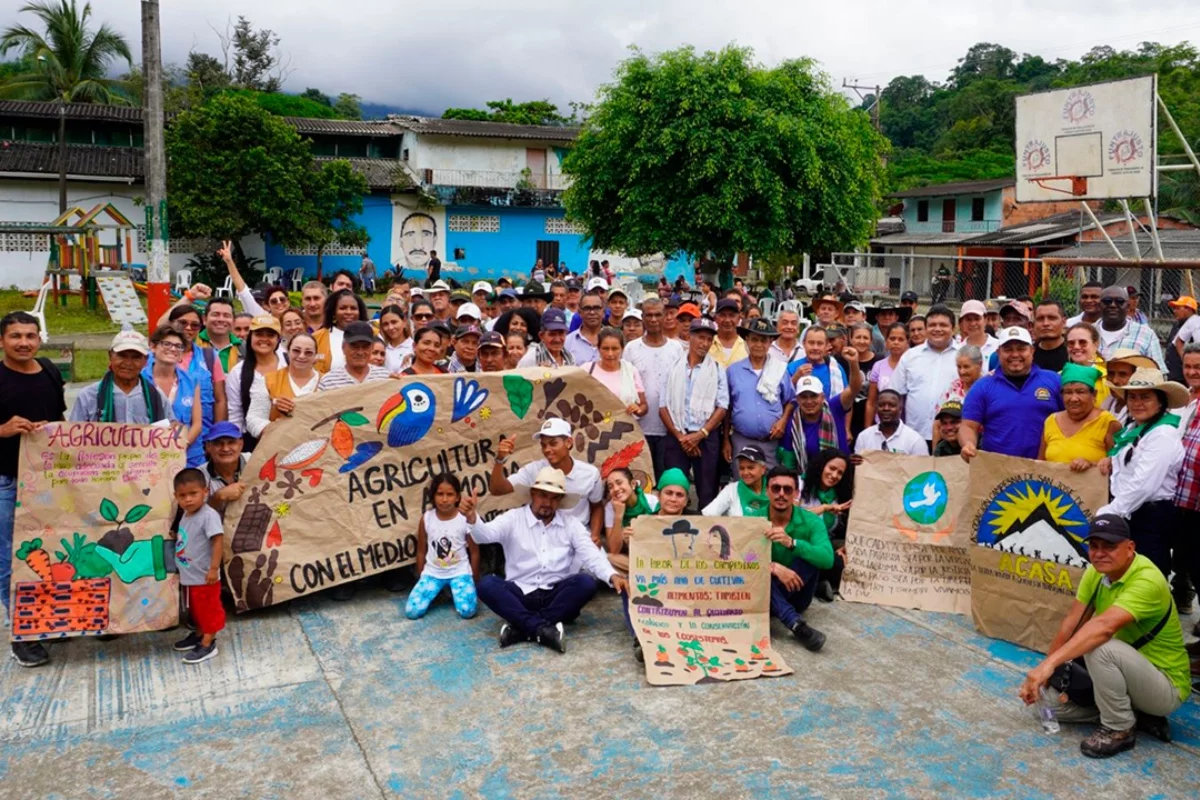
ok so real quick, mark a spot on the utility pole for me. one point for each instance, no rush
(875, 104)
(158, 267)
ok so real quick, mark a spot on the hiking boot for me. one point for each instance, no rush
(811, 638)
(1106, 743)
(638, 655)
(1158, 727)
(200, 653)
(824, 592)
(29, 654)
(510, 635)
(188, 642)
(552, 636)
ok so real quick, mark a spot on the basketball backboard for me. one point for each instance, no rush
(1093, 142)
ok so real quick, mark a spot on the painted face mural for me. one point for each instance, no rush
(418, 235)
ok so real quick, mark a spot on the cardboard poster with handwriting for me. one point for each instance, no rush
(700, 599)
(1028, 520)
(93, 551)
(903, 543)
(334, 492)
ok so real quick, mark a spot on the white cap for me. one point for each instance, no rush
(1015, 334)
(439, 286)
(481, 286)
(597, 283)
(555, 426)
(469, 310)
(631, 313)
(972, 307)
(855, 305)
(416, 291)
(130, 340)
(810, 384)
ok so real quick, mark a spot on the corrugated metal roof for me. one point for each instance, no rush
(491, 130)
(1048, 229)
(1176, 245)
(109, 162)
(962, 187)
(930, 239)
(381, 173)
(49, 110)
(345, 127)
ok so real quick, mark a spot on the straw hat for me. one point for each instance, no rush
(1177, 394)
(1135, 359)
(551, 481)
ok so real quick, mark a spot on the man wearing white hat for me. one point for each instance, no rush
(123, 394)
(439, 297)
(583, 481)
(541, 588)
(1010, 405)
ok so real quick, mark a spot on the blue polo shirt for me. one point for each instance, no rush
(1012, 418)
(749, 414)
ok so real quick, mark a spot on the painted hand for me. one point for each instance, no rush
(144, 558)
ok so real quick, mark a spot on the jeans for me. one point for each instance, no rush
(702, 469)
(8, 508)
(1151, 527)
(1123, 681)
(656, 444)
(462, 589)
(528, 612)
(1187, 548)
(788, 607)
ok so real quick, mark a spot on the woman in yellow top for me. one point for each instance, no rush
(341, 308)
(1082, 434)
(1083, 348)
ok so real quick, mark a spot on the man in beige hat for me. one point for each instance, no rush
(123, 394)
(540, 589)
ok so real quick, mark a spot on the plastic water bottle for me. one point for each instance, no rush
(1046, 713)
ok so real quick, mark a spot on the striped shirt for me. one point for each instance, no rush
(338, 377)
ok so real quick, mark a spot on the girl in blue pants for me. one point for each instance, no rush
(445, 553)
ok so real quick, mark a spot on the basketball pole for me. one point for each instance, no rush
(158, 267)
(1187, 148)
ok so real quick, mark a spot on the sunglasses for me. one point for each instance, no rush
(1113, 301)
(420, 317)
(277, 300)
(191, 326)
(781, 489)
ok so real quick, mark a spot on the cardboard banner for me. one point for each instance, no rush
(334, 492)
(700, 599)
(904, 546)
(1028, 519)
(93, 552)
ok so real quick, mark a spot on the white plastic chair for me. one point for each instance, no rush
(39, 310)
(183, 280)
(788, 305)
(275, 276)
(226, 289)
(767, 306)
(297, 279)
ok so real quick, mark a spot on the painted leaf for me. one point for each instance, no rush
(520, 394)
(354, 418)
(137, 513)
(641, 587)
(342, 439)
(267, 473)
(109, 510)
(622, 458)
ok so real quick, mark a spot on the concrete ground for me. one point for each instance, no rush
(346, 700)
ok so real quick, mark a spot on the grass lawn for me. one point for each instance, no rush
(72, 319)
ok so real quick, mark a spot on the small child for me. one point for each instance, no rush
(949, 417)
(198, 552)
(445, 553)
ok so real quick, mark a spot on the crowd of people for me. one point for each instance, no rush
(744, 413)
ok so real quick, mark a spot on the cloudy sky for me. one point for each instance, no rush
(461, 53)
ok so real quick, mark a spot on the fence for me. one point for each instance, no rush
(872, 275)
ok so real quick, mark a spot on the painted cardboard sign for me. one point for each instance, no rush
(700, 599)
(904, 546)
(1028, 520)
(93, 551)
(335, 491)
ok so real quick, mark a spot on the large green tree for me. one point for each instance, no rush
(233, 169)
(532, 112)
(715, 154)
(68, 62)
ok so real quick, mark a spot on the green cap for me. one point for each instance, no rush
(674, 477)
(1078, 373)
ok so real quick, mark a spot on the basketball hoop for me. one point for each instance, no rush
(1079, 184)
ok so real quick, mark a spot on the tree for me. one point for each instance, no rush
(254, 57)
(317, 96)
(348, 106)
(206, 74)
(715, 154)
(337, 196)
(68, 62)
(984, 60)
(532, 112)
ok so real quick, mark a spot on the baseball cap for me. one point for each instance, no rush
(481, 286)
(416, 291)
(1184, 302)
(553, 319)
(264, 322)
(703, 325)
(460, 296)
(834, 331)
(467, 330)
(631, 313)
(991, 306)
(555, 426)
(810, 384)
(223, 430)
(972, 307)
(130, 340)
(728, 304)
(1109, 528)
(674, 301)
(573, 285)
(752, 453)
(491, 339)
(1015, 334)
(617, 290)
(950, 408)
(1018, 306)
(469, 310)
(597, 283)
(856, 305)
(509, 293)
(534, 289)
(1131, 291)
(358, 332)
(438, 286)
(909, 297)
(689, 309)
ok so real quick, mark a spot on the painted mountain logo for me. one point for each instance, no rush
(1036, 518)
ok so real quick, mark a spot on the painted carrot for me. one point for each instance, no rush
(38, 559)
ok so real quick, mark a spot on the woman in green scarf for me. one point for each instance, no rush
(626, 502)
(746, 497)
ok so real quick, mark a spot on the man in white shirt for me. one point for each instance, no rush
(1118, 330)
(540, 591)
(582, 479)
(925, 372)
(787, 347)
(356, 346)
(891, 435)
(652, 356)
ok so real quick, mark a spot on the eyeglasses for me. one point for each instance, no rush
(277, 300)
(191, 326)
(1077, 344)
(1113, 301)
(781, 489)
(170, 346)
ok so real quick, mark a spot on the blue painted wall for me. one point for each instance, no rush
(993, 203)
(376, 217)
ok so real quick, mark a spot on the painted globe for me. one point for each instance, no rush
(925, 498)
